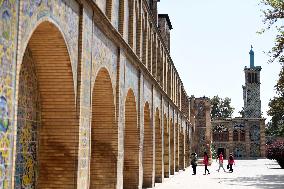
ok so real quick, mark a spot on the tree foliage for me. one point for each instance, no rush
(276, 108)
(221, 108)
(273, 18)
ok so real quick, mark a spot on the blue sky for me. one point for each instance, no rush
(210, 44)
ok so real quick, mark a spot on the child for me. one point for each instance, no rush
(221, 159)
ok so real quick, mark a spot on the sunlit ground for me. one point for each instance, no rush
(261, 173)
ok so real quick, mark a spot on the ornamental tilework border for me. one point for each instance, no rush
(166, 108)
(28, 123)
(131, 73)
(63, 13)
(104, 54)
(147, 92)
(84, 134)
(157, 100)
(122, 77)
(8, 46)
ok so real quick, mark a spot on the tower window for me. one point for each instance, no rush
(249, 77)
(255, 75)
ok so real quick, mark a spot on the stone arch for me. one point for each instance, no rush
(47, 127)
(158, 148)
(181, 148)
(25, 43)
(187, 145)
(104, 134)
(147, 148)
(177, 147)
(131, 144)
(166, 148)
(172, 143)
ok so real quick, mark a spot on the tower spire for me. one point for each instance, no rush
(251, 57)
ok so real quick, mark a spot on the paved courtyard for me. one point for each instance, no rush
(249, 174)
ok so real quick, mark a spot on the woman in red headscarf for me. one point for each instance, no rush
(206, 162)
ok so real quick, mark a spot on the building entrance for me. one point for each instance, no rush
(223, 150)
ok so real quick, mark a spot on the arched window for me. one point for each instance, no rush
(242, 135)
(249, 77)
(255, 76)
(235, 135)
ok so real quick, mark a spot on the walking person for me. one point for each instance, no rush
(206, 162)
(221, 161)
(231, 162)
(194, 162)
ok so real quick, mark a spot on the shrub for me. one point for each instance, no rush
(276, 151)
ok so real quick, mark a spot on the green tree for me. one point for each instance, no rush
(273, 18)
(221, 108)
(276, 109)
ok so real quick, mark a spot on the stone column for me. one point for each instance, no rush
(247, 139)
(262, 138)
(141, 126)
(230, 127)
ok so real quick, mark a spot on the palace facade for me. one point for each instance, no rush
(243, 136)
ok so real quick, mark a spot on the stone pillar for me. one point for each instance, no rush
(262, 138)
(208, 130)
(141, 126)
(231, 144)
(163, 139)
(247, 128)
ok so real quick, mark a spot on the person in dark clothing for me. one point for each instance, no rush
(231, 162)
(206, 162)
(194, 162)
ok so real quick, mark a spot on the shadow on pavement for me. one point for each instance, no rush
(275, 168)
(263, 181)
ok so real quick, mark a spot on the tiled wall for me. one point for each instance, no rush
(19, 94)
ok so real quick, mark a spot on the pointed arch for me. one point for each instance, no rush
(47, 126)
(172, 143)
(176, 147)
(181, 148)
(147, 148)
(158, 147)
(131, 144)
(104, 134)
(166, 148)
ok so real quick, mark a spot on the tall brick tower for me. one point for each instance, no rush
(251, 90)
(201, 119)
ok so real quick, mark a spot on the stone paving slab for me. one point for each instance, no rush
(248, 174)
